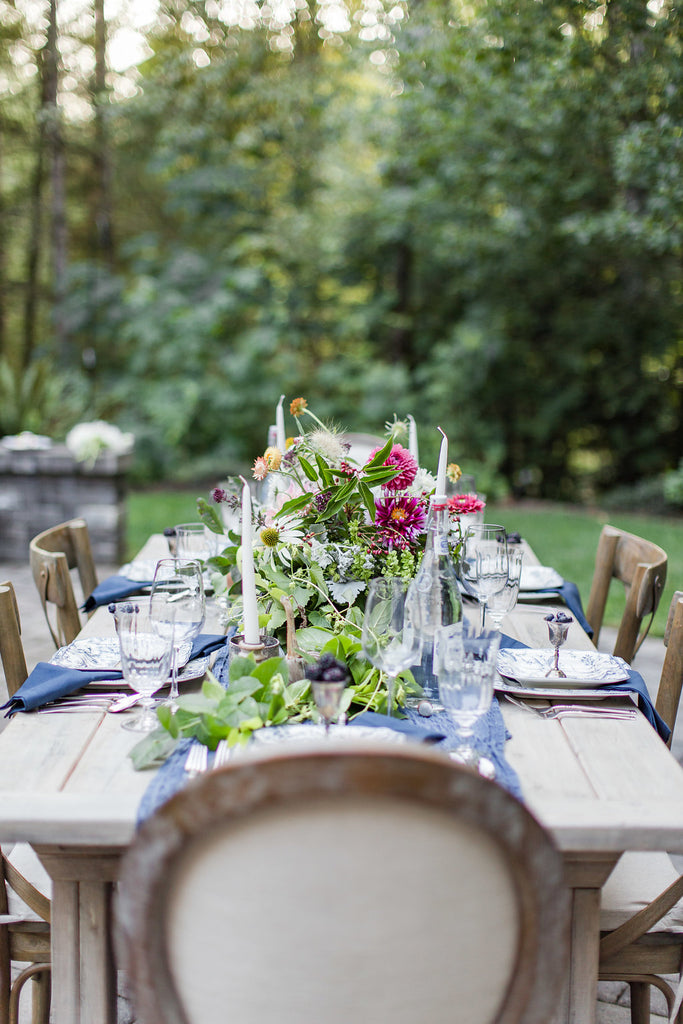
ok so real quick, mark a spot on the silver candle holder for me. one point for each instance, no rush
(268, 647)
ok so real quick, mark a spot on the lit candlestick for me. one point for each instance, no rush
(280, 425)
(252, 635)
(443, 462)
(412, 439)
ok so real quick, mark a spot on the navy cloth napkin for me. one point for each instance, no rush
(569, 592)
(114, 588)
(634, 684)
(49, 682)
(207, 643)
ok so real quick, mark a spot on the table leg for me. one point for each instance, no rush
(83, 969)
(586, 874)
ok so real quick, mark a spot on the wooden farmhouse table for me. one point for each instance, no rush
(600, 786)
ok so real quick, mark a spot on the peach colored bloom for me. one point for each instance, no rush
(260, 470)
(297, 406)
(453, 472)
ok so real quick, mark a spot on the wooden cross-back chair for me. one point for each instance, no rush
(52, 554)
(24, 906)
(642, 900)
(641, 566)
(367, 883)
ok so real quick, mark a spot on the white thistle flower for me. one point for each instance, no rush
(327, 444)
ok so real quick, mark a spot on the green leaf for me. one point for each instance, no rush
(209, 515)
(267, 669)
(308, 469)
(311, 639)
(241, 666)
(211, 688)
(367, 498)
(325, 471)
(153, 750)
(294, 504)
(380, 457)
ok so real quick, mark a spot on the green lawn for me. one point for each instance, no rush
(564, 537)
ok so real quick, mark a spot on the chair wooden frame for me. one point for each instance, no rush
(52, 554)
(233, 798)
(22, 939)
(641, 566)
(631, 952)
(11, 647)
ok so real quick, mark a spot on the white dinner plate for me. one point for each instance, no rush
(539, 577)
(102, 652)
(313, 733)
(583, 668)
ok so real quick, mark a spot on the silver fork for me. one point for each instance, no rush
(196, 761)
(222, 755)
(576, 710)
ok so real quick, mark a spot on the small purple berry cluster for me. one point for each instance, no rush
(559, 617)
(327, 670)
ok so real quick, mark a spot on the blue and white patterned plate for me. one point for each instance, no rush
(582, 668)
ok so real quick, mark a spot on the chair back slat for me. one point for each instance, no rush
(640, 565)
(671, 679)
(11, 647)
(52, 554)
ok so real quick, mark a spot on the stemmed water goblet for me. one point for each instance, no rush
(483, 563)
(391, 633)
(465, 664)
(177, 607)
(502, 602)
(145, 660)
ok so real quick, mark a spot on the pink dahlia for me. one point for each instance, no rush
(399, 520)
(404, 461)
(462, 504)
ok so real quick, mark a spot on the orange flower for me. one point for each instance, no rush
(453, 472)
(297, 406)
(260, 470)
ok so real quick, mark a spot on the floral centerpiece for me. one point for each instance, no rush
(327, 526)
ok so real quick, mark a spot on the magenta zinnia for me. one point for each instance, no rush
(399, 520)
(463, 504)
(401, 458)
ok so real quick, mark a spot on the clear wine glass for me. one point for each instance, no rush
(502, 602)
(177, 607)
(391, 634)
(465, 664)
(193, 540)
(146, 657)
(483, 563)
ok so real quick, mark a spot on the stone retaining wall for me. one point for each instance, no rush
(41, 488)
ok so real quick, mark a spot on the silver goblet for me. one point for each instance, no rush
(558, 628)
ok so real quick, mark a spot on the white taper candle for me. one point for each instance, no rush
(443, 462)
(251, 627)
(280, 425)
(412, 439)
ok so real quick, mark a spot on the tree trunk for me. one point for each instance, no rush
(35, 236)
(3, 269)
(102, 158)
(56, 151)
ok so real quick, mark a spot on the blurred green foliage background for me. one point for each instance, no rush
(470, 211)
